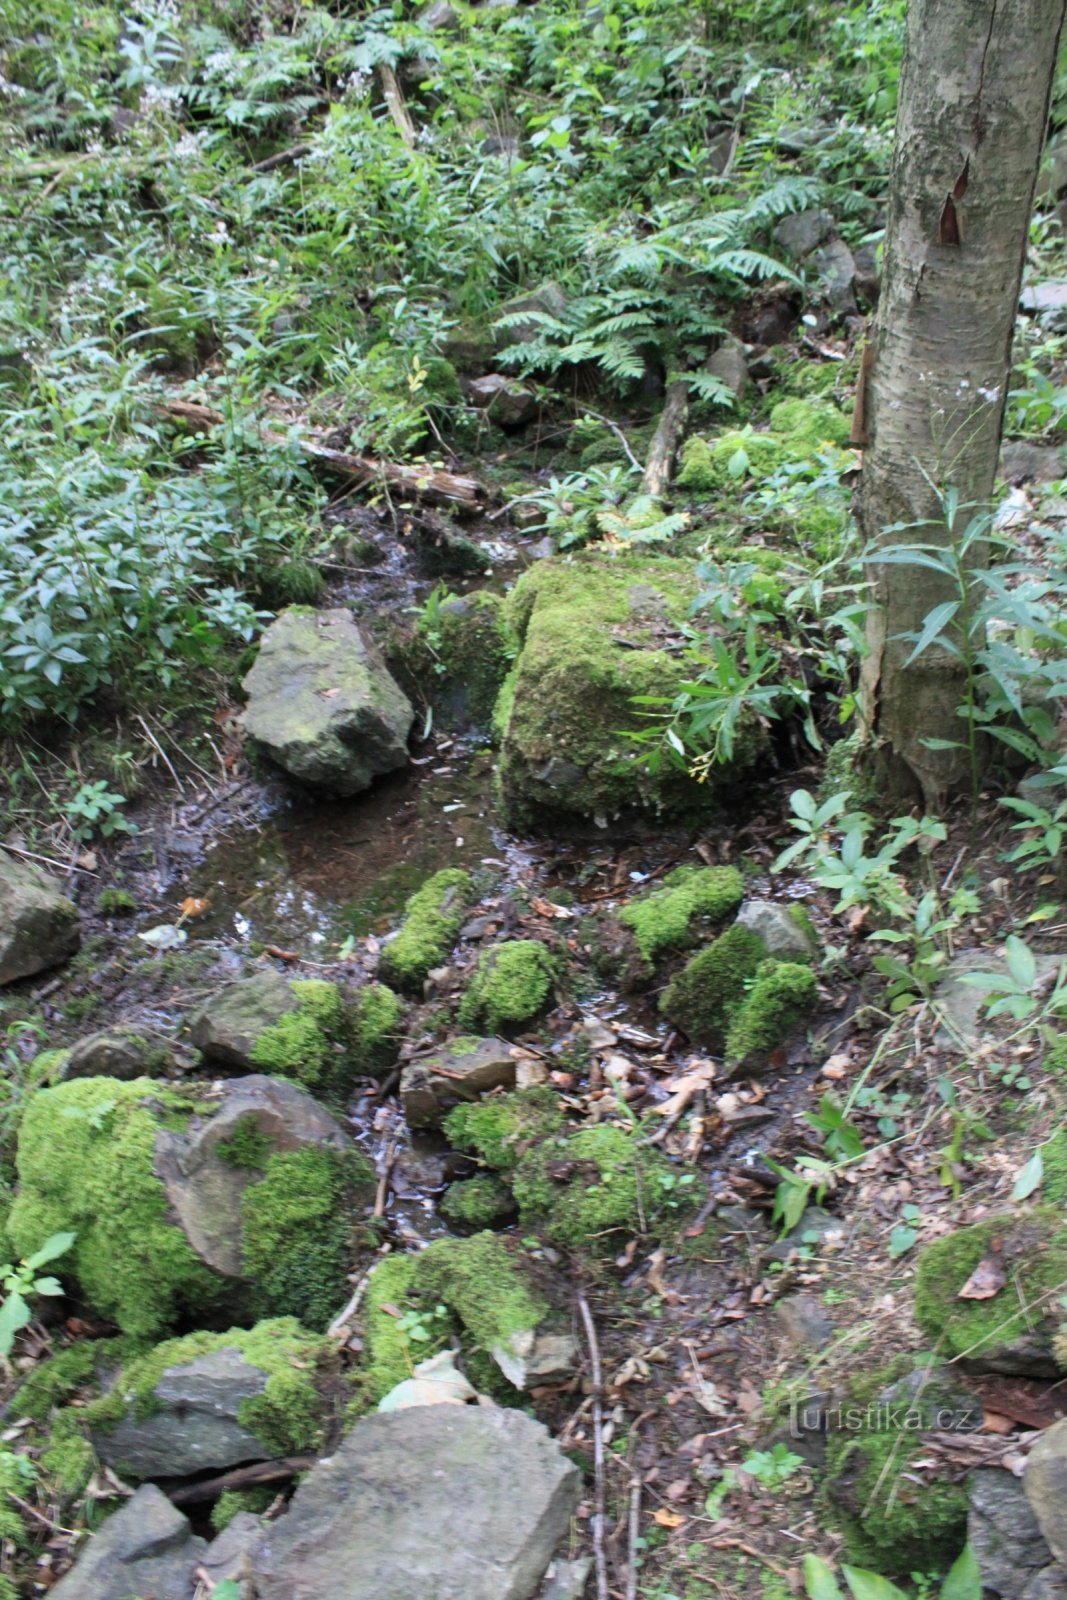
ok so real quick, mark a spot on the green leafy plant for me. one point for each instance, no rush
(93, 810)
(20, 1283)
(962, 1582)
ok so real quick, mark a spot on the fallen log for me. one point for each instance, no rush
(666, 439)
(396, 105)
(423, 483)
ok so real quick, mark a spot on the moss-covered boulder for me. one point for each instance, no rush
(1013, 1328)
(510, 986)
(595, 633)
(39, 926)
(462, 1069)
(322, 705)
(209, 1401)
(460, 655)
(591, 1189)
(431, 922)
(474, 1204)
(734, 997)
(498, 1131)
(300, 1028)
(799, 428)
(241, 1205)
(896, 1517)
(627, 944)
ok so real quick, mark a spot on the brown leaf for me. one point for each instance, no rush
(192, 907)
(668, 1519)
(993, 1422)
(987, 1279)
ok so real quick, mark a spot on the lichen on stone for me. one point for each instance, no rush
(311, 1045)
(432, 919)
(511, 984)
(702, 996)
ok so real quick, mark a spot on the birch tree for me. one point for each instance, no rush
(973, 110)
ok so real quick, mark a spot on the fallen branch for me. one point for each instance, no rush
(242, 1478)
(666, 439)
(282, 158)
(599, 1489)
(394, 100)
(424, 483)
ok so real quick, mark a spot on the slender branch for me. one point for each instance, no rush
(598, 1448)
(242, 1478)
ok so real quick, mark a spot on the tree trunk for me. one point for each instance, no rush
(974, 100)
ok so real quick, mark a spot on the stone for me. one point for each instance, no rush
(205, 1190)
(462, 1069)
(1037, 463)
(566, 1580)
(547, 300)
(39, 926)
(113, 1053)
(802, 232)
(1052, 179)
(729, 365)
(868, 279)
(814, 1226)
(834, 265)
(439, 17)
(228, 1024)
(231, 1556)
(462, 1503)
(145, 1548)
(504, 400)
(805, 1321)
(782, 933)
(960, 1004)
(469, 347)
(1049, 301)
(322, 705)
(1045, 1483)
(535, 1355)
(1013, 1557)
(192, 1425)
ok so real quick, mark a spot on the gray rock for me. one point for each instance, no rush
(805, 1321)
(144, 1548)
(457, 1502)
(228, 1024)
(39, 926)
(536, 1354)
(461, 1070)
(548, 299)
(505, 401)
(322, 705)
(814, 1226)
(960, 1005)
(566, 1580)
(1002, 1530)
(795, 138)
(868, 280)
(1039, 463)
(232, 1554)
(439, 17)
(728, 364)
(192, 1426)
(802, 232)
(204, 1190)
(119, 1053)
(836, 271)
(469, 347)
(1049, 301)
(1045, 1483)
(780, 931)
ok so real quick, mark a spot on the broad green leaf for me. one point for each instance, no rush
(901, 1240)
(871, 1585)
(14, 1314)
(1029, 1177)
(819, 1580)
(935, 622)
(1021, 963)
(47, 1286)
(57, 1245)
(964, 1580)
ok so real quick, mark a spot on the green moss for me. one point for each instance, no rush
(461, 654)
(782, 993)
(1033, 1252)
(584, 1190)
(481, 1202)
(86, 1163)
(53, 1381)
(388, 1356)
(727, 462)
(68, 1459)
(499, 1129)
(711, 987)
(432, 918)
(376, 1027)
(510, 986)
(807, 424)
(311, 1045)
(298, 1225)
(593, 631)
(662, 920)
(286, 1416)
(894, 1520)
(248, 1147)
(297, 582)
(12, 1481)
(115, 902)
(232, 1502)
(487, 1287)
(1055, 1059)
(1054, 1166)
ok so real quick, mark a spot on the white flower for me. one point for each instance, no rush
(188, 145)
(357, 84)
(159, 97)
(11, 91)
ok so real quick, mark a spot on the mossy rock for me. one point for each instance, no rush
(510, 986)
(799, 428)
(500, 1129)
(627, 944)
(478, 1203)
(431, 922)
(781, 994)
(591, 1189)
(733, 996)
(244, 1206)
(1013, 1330)
(595, 633)
(460, 656)
(895, 1517)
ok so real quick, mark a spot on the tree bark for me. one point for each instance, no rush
(664, 446)
(973, 111)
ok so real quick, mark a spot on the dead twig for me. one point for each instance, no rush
(242, 1478)
(599, 1483)
(343, 1318)
(383, 1179)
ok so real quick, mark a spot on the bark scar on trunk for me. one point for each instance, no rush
(979, 125)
